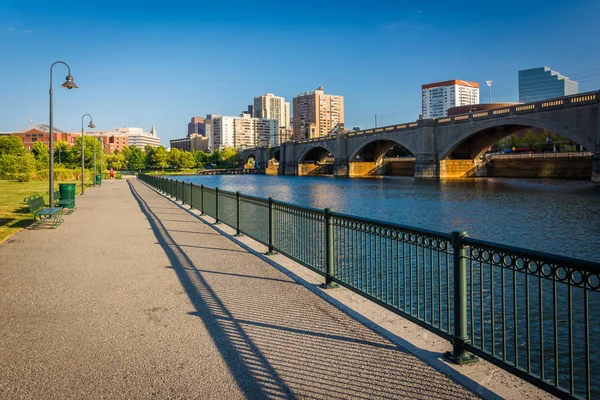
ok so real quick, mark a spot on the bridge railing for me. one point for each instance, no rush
(534, 314)
(517, 109)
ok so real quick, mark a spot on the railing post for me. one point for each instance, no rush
(217, 206)
(237, 215)
(202, 199)
(271, 229)
(191, 195)
(329, 259)
(459, 355)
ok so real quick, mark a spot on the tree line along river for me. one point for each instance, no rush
(555, 216)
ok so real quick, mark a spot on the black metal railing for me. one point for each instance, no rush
(534, 314)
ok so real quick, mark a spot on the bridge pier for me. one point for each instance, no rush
(272, 167)
(427, 166)
(340, 168)
(289, 168)
(596, 168)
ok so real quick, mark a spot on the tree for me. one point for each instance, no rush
(160, 157)
(229, 156)
(64, 153)
(530, 140)
(12, 145)
(90, 143)
(175, 158)
(40, 153)
(134, 158)
(17, 166)
(150, 155)
(187, 160)
(115, 161)
(202, 158)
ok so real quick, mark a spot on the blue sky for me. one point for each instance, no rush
(160, 63)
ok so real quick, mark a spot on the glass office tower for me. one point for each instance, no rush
(542, 83)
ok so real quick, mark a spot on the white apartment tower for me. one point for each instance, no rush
(240, 132)
(221, 132)
(272, 107)
(438, 97)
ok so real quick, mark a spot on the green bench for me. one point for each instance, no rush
(64, 203)
(42, 214)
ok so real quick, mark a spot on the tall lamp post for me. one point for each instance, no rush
(69, 84)
(95, 145)
(91, 125)
(101, 151)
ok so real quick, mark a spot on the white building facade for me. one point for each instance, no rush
(240, 132)
(138, 138)
(438, 97)
(270, 106)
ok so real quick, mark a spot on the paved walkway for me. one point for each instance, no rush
(135, 297)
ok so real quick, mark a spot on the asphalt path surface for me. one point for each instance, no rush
(135, 297)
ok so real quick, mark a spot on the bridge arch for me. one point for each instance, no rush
(376, 148)
(248, 157)
(317, 153)
(476, 138)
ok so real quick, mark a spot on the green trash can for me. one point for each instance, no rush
(98, 180)
(67, 194)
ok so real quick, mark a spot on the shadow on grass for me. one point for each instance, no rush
(5, 221)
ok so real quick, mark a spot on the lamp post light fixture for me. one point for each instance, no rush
(91, 125)
(69, 84)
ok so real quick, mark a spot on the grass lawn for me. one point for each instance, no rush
(14, 213)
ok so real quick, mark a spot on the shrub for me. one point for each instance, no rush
(12, 166)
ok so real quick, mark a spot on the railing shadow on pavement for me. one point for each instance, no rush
(271, 353)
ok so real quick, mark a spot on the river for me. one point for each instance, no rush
(556, 216)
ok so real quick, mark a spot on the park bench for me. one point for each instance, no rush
(42, 214)
(64, 203)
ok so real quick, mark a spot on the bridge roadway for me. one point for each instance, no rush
(448, 147)
(134, 296)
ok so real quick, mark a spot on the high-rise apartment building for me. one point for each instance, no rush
(240, 132)
(543, 83)
(272, 107)
(196, 126)
(317, 114)
(438, 97)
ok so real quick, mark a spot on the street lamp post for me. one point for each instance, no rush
(101, 154)
(69, 84)
(95, 145)
(91, 125)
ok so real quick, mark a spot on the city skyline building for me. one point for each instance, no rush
(196, 126)
(137, 137)
(110, 140)
(543, 83)
(438, 97)
(194, 142)
(240, 132)
(317, 114)
(270, 106)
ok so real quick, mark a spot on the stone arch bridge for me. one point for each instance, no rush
(444, 147)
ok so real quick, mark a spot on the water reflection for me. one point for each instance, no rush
(549, 215)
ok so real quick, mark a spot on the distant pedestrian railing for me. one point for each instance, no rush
(534, 314)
